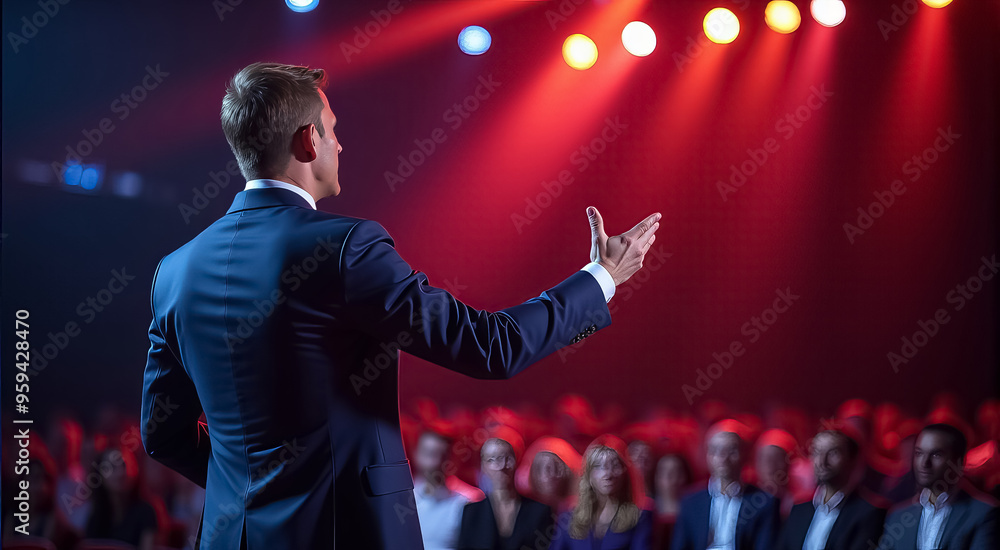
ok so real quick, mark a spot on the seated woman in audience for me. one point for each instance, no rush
(120, 512)
(607, 513)
(504, 520)
(548, 473)
(672, 475)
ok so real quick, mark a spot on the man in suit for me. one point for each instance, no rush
(282, 324)
(729, 514)
(943, 515)
(504, 520)
(839, 517)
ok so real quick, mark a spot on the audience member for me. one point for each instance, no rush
(839, 516)
(728, 514)
(944, 514)
(504, 520)
(608, 513)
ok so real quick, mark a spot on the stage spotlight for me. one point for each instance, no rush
(782, 16)
(721, 26)
(474, 40)
(639, 39)
(937, 3)
(301, 6)
(828, 13)
(580, 52)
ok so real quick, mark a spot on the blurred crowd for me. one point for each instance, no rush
(863, 476)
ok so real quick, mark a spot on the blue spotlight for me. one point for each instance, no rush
(301, 6)
(474, 40)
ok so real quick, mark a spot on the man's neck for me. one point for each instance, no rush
(937, 491)
(830, 489)
(433, 481)
(505, 494)
(725, 483)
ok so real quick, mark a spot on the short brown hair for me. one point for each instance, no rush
(265, 104)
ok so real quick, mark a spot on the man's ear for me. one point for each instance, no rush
(303, 146)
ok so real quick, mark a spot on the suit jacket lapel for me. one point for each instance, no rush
(909, 538)
(955, 517)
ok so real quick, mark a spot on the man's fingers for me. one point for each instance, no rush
(649, 244)
(645, 225)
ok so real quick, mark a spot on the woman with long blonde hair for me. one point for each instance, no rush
(608, 513)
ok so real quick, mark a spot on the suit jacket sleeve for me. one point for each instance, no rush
(392, 302)
(770, 524)
(870, 528)
(681, 539)
(170, 430)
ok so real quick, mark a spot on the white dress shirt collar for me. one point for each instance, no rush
(933, 518)
(265, 183)
(824, 517)
(940, 502)
(735, 489)
(835, 501)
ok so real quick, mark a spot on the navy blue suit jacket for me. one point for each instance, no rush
(858, 522)
(756, 527)
(971, 525)
(283, 324)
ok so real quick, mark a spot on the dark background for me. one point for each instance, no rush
(688, 113)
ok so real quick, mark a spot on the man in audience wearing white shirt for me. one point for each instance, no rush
(944, 515)
(439, 506)
(728, 514)
(839, 517)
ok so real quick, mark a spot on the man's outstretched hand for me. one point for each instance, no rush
(622, 254)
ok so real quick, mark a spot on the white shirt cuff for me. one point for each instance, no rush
(603, 277)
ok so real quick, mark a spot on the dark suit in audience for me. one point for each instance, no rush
(858, 522)
(971, 525)
(756, 528)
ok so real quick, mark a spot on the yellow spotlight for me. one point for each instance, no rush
(721, 26)
(782, 16)
(937, 3)
(639, 39)
(580, 52)
(828, 13)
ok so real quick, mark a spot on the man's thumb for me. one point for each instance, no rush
(595, 220)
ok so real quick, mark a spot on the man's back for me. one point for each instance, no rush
(283, 323)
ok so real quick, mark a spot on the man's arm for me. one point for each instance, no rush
(170, 412)
(394, 303)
